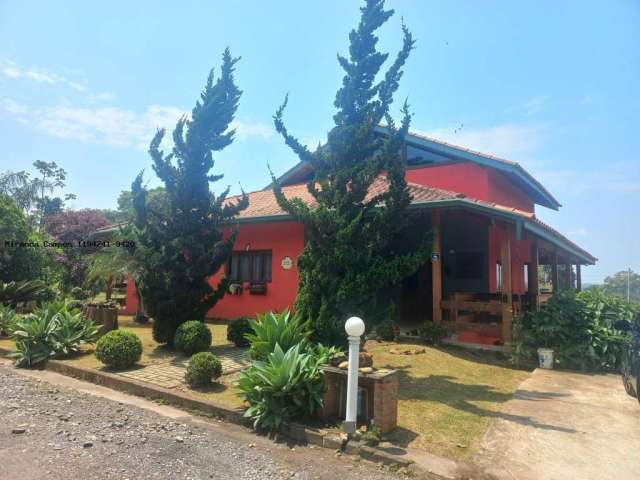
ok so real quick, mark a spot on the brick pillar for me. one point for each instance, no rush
(385, 403)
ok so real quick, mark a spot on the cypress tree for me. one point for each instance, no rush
(350, 258)
(181, 245)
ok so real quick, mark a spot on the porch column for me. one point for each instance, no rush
(436, 267)
(554, 272)
(507, 288)
(567, 276)
(534, 288)
(578, 278)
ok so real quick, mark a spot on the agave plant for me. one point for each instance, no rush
(271, 329)
(73, 331)
(52, 330)
(286, 386)
(34, 337)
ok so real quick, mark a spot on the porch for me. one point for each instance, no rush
(487, 267)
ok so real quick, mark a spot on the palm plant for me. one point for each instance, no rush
(13, 293)
(7, 318)
(271, 329)
(285, 386)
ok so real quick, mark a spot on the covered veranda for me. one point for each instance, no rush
(488, 264)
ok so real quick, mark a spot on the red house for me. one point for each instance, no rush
(488, 244)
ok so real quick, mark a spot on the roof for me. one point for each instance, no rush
(263, 207)
(512, 169)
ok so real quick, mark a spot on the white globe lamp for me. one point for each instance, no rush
(354, 327)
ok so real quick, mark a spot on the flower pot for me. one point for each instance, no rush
(545, 358)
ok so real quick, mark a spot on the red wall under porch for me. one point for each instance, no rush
(284, 239)
(520, 255)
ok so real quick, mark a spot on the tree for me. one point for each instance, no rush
(70, 227)
(30, 194)
(617, 284)
(21, 262)
(180, 247)
(350, 257)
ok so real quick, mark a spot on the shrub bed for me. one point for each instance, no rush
(119, 349)
(192, 337)
(588, 330)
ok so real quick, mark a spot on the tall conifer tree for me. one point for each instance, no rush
(349, 259)
(181, 246)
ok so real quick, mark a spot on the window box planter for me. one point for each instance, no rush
(235, 288)
(258, 289)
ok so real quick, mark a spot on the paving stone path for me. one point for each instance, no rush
(170, 374)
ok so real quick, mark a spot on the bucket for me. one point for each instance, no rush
(545, 358)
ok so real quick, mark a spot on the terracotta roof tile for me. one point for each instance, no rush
(263, 203)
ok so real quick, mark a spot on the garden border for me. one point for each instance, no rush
(293, 431)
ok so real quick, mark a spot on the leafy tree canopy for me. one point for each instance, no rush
(179, 247)
(349, 257)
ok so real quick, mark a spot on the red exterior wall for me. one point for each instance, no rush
(284, 239)
(468, 178)
(520, 254)
(474, 181)
(502, 191)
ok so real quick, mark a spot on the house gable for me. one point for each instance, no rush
(473, 173)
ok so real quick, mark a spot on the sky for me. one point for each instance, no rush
(551, 84)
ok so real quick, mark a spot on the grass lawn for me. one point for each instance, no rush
(448, 396)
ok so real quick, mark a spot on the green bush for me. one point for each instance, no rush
(52, 330)
(202, 367)
(432, 333)
(236, 331)
(119, 349)
(587, 331)
(386, 330)
(273, 328)
(284, 387)
(192, 337)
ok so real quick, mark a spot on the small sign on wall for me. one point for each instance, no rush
(286, 263)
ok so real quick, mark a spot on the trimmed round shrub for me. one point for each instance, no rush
(192, 337)
(202, 368)
(119, 349)
(386, 330)
(236, 330)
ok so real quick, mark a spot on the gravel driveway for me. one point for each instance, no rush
(54, 432)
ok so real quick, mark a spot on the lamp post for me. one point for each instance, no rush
(354, 327)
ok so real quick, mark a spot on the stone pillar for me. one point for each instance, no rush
(385, 403)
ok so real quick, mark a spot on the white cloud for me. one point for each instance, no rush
(536, 104)
(11, 70)
(510, 140)
(246, 129)
(113, 126)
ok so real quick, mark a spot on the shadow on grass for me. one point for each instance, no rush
(462, 396)
(213, 388)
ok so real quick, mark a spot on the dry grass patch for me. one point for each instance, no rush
(448, 396)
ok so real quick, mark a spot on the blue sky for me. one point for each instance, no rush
(552, 85)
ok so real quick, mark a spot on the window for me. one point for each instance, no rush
(498, 276)
(526, 277)
(254, 267)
